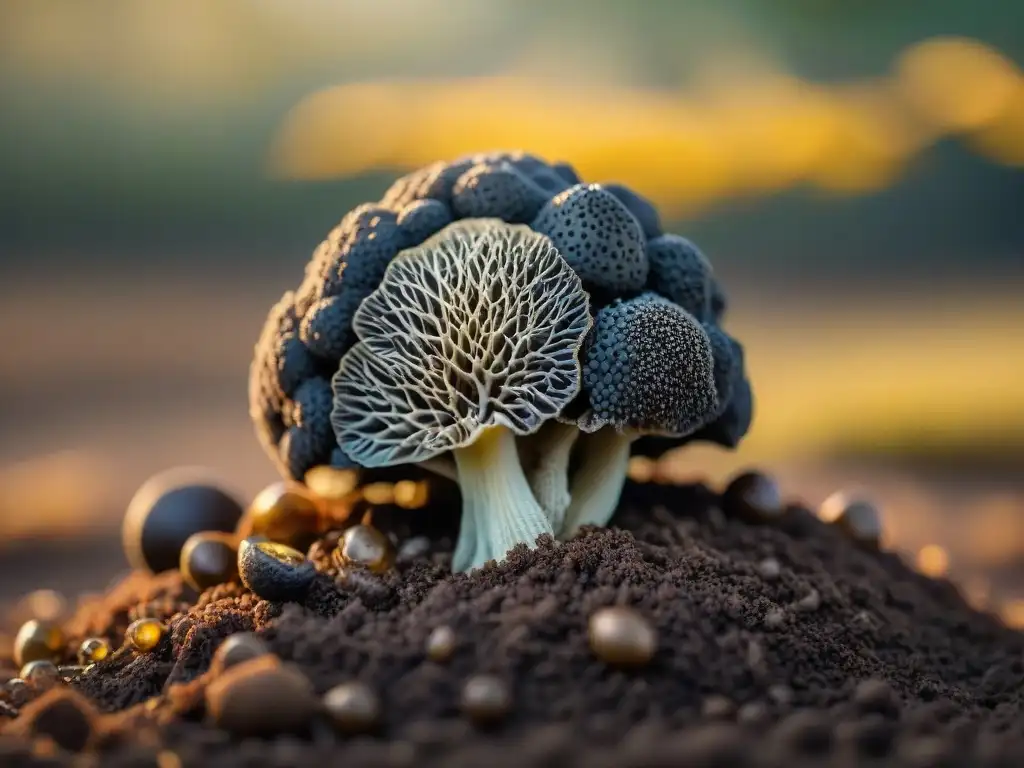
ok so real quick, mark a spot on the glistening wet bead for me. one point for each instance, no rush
(485, 699)
(284, 512)
(93, 649)
(40, 675)
(208, 559)
(144, 634)
(366, 546)
(353, 707)
(274, 571)
(620, 635)
(755, 497)
(857, 517)
(37, 641)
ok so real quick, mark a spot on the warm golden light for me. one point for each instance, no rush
(933, 561)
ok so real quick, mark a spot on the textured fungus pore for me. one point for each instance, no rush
(680, 273)
(471, 338)
(649, 368)
(598, 236)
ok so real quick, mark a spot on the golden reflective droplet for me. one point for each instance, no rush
(933, 561)
(441, 644)
(353, 707)
(41, 675)
(410, 494)
(485, 699)
(366, 546)
(620, 635)
(330, 483)
(37, 641)
(93, 649)
(379, 494)
(144, 634)
(285, 512)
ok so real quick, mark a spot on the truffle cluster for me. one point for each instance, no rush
(495, 311)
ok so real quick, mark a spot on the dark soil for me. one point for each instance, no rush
(832, 655)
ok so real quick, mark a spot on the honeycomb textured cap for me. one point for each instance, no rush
(497, 191)
(597, 236)
(680, 272)
(481, 325)
(648, 366)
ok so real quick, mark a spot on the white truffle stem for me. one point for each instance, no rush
(549, 477)
(498, 508)
(597, 484)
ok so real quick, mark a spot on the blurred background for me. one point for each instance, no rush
(852, 169)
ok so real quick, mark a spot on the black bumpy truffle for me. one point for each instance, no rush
(680, 272)
(326, 329)
(422, 218)
(274, 571)
(497, 191)
(640, 207)
(637, 346)
(598, 237)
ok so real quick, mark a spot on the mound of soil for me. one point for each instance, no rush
(780, 644)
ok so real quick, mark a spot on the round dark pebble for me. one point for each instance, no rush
(441, 644)
(858, 518)
(169, 508)
(718, 707)
(37, 641)
(208, 559)
(353, 707)
(236, 649)
(485, 699)
(262, 697)
(61, 715)
(622, 636)
(274, 571)
(875, 696)
(754, 497)
(769, 569)
(285, 512)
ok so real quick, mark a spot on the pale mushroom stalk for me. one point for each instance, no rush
(498, 508)
(549, 474)
(597, 483)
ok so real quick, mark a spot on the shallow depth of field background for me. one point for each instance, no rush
(852, 169)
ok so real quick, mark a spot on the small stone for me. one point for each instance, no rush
(805, 732)
(413, 549)
(752, 713)
(782, 695)
(40, 675)
(718, 707)
(353, 707)
(485, 699)
(365, 546)
(857, 517)
(262, 697)
(60, 714)
(236, 649)
(809, 602)
(144, 635)
(169, 508)
(441, 644)
(69, 672)
(93, 649)
(208, 559)
(875, 695)
(620, 635)
(37, 641)
(775, 618)
(754, 497)
(284, 512)
(769, 568)
(17, 691)
(274, 571)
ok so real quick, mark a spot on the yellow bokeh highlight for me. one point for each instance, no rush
(933, 561)
(754, 134)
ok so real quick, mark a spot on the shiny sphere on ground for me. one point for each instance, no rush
(236, 649)
(485, 699)
(754, 497)
(169, 508)
(93, 649)
(285, 512)
(365, 546)
(353, 707)
(208, 559)
(144, 634)
(40, 675)
(274, 571)
(620, 635)
(857, 517)
(37, 641)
